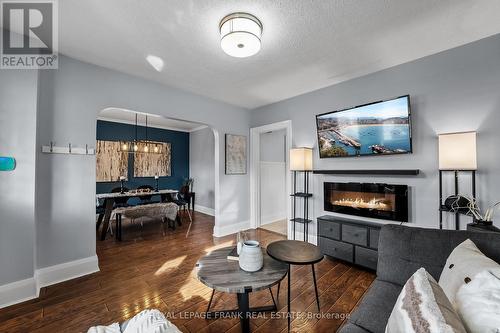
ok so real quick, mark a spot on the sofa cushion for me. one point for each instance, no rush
(375, 307)
(403, 250)
(351, 328)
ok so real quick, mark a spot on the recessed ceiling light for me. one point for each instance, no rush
(156, 62)
(240, 35)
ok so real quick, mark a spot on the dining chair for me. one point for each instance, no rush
(182, 200)
(120, 202)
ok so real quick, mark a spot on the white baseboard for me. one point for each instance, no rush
(299, 235)
(230, 229)
(17, 292)
(69, 270)
(272, 218)
(204, 210)
(23, 290)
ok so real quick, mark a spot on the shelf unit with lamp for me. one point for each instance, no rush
(457, 154)
(301, 161)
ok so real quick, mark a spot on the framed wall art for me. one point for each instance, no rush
(236, 154)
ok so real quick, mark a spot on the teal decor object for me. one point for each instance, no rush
(7, 163)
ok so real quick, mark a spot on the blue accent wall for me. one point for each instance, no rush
(111, 131)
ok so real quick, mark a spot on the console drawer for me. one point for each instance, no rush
(374, 233)
(336, 249)
(366, 257)
(329, 229)
(354, 234)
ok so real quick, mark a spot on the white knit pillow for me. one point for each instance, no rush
(422, 307)
(113, 328)
(150, 321)
(464, 262)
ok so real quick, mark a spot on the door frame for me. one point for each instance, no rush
(255, 132)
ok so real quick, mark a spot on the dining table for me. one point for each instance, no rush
(110, 198)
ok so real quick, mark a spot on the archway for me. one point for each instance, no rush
(122, 125)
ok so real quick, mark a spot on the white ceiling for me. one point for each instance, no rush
(306, 44)
(125, 116)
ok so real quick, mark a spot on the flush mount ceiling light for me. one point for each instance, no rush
(240, 35)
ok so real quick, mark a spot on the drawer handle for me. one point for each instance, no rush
(331, 229)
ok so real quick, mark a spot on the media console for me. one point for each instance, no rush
(354, 241)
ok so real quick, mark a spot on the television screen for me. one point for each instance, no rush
(380, 128)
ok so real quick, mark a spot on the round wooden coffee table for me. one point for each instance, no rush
(221, 274)
(292, 252)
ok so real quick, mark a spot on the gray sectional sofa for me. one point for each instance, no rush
(402, 250)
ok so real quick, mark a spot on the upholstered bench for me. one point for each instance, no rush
(167, 211)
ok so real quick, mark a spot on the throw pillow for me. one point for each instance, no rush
(422, 307)
(478, 303)
(464, 262)
(113, 328)
(150, 321)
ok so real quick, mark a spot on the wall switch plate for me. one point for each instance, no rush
(7, 163)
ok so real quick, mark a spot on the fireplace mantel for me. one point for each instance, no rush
(380, 172)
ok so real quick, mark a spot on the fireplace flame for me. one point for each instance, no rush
(374, 203)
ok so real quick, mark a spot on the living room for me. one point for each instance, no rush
(426, 75)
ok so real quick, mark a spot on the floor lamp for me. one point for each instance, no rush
(457, 154)
(301, 161)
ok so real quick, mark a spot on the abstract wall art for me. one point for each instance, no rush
(111, 163)
(150, 165)
(236, 154)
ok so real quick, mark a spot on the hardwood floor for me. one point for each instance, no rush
(277, 226)
(154, 268)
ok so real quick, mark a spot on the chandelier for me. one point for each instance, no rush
(144, 146)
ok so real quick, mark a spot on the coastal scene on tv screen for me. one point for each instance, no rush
(374, 129)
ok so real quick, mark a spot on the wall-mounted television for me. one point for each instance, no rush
(379, 128)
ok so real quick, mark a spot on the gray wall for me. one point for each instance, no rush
(201, 165)
(70, 99)
(456, 90)
(18, 113)
(272, 146)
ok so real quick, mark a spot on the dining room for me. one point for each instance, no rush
(152, 174)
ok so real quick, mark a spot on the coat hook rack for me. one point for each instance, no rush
(69, 149)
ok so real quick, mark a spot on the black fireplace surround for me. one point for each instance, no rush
(381, 201)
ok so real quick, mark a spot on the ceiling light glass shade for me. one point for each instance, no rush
(457, 151)
(240, 35)
(301, 159)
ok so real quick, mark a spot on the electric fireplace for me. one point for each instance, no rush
(381, 201)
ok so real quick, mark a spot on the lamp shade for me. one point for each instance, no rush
(457, 151)
(301, 159)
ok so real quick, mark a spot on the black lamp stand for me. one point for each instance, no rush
(442, 207)
(304, 195)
